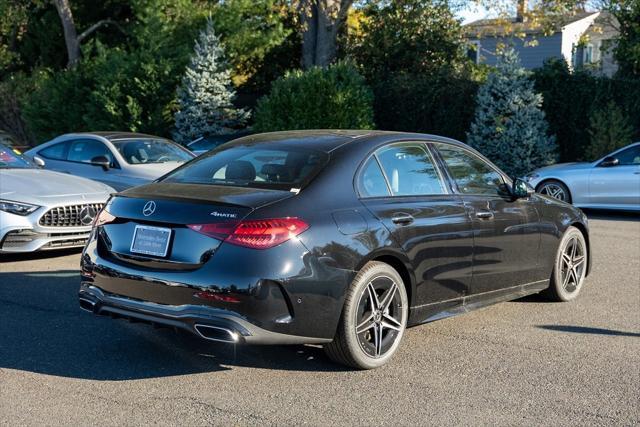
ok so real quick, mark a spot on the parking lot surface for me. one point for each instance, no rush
(522, 362)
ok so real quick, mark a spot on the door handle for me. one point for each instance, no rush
(484, 214)
(637, 173)
(402, 219)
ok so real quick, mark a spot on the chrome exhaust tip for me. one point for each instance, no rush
(87, 305)
(216, 333)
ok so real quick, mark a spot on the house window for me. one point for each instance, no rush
(588, 54)
(577, 57)
(473, 51)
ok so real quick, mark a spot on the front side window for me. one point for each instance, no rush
(83, 150)
(142, 151)
(630, 156)
(252, 166)
(55, 151)
(472, 174)
(409, 170)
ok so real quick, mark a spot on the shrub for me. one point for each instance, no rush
(509, 126)
(116, 90)
(332, 98)
(610, 129)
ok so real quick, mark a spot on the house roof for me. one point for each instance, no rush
(497, 26)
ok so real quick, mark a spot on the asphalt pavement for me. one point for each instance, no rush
(523, 362)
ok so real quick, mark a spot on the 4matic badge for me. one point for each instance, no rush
(223, 214)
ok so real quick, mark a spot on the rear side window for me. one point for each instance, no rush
(410, 170)
(252, 166)
(55, 151)
(372, 182)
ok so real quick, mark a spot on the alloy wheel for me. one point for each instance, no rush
(572, 264)
(379, 316)
(554, 190)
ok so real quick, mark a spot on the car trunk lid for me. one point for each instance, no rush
(173, 208)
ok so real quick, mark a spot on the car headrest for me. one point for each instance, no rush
(275, 172)
(240, 169)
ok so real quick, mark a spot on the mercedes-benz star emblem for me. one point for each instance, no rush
(87, 214)
(149, 208)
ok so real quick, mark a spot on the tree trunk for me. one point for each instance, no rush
(322, 21)
(70, 34)
(309, 34)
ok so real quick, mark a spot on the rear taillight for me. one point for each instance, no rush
(255, 234)
(104, 217)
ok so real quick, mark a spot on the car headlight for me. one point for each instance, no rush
(17, 208)
(530, 177)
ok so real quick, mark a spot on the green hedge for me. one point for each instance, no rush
(440, 104)
(570, 99)
(332, 98)
(445, 104)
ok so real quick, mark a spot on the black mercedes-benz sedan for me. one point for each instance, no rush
(342, 238)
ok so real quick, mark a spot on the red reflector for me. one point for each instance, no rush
(215, 297)
(256, 234)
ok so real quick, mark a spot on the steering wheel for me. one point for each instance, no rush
(164, 158)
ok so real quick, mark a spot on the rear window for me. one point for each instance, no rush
(274, 168)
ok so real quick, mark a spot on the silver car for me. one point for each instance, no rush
(612, 182)
(41, 209)
(118, 159)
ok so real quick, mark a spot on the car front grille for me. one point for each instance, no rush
(71, 216)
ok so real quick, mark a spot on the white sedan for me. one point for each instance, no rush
(41, 209)
(612, 182)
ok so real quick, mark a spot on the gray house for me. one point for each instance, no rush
(583, 40)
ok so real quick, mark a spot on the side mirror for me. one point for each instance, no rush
(609, 161)
(521, 189)
(38, 162)
(101, 161)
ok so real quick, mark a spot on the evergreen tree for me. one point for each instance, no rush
(206, 96)
(509, 127)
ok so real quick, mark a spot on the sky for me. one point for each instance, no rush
(472, 13)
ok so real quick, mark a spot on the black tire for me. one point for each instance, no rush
(546, 186)
(569, 270)
(364, 350)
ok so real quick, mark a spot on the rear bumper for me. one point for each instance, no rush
(206, 322)
(286, 296)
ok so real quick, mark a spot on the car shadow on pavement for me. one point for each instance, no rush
(28, 256)
(588, 330)
(43, 330)
(599, 214)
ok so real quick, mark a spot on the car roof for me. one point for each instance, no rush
(113, 135)
(330, 140)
